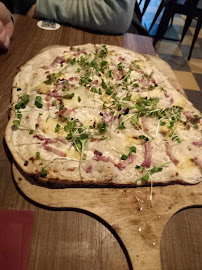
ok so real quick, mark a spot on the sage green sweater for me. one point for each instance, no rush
(109, 16)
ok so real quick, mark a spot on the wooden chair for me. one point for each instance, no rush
(197, 14)
(171, 7)
(137, 7)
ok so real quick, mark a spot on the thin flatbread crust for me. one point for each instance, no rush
(102, 115)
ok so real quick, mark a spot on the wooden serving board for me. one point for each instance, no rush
(137, 220)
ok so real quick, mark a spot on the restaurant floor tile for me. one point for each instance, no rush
(186, 80)
(176, 62)
(195, 65)
(195, 97)
(198, 79)
(168, 47)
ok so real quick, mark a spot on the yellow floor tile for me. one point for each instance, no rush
(195, 65)
(178, 21)
(186, 80)
(192, 29)
(168, 47)
(187, 41)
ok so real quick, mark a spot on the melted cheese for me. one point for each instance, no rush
(43, 88)
(186, 164)
(48, 127)
(73, 153)
(180, 102)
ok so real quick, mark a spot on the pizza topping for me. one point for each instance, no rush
(89, 169)
(148, 155)
(37, 155)
(144, 123)
(24, 100)
(16, 122)
(44, 172)
(197, 143)
(191, 116)
(102, 127)
(43, 138)
(126, 162)
(146, 176)
(132, 150)
(169, 153)
(53, 150)
(197, 163)
(58, 60)
(38, 102)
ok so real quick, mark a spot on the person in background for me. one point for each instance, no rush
(106, 16)
(6, 27)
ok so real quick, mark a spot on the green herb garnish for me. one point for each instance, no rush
(16, 122)
(68, 96)
(57, 128)
(38, 103)
(102, 127)
(37, 155)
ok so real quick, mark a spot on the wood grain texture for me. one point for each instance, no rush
(181, 243)
(138, 221)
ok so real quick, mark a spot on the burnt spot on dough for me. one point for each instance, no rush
(70, 169)
(26, 163)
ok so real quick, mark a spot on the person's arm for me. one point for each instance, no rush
(6, 27)
(112, 16)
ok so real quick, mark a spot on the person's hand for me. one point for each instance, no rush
(6, 27)
(31, 12)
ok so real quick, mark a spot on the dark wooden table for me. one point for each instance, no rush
(61, 239)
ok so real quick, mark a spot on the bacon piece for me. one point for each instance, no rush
(126, 162)
(47, 98)
(148, 155)
(104, 159)
(118, 74)
(64, 112)
(189, 115)
(53, 150)
(122, 58)
(169, 153)
(59, 86)
(89, 169)
(197, 143)
(62, 139)
(53, 94)
(171, 100)
(95, 82)
(71, 79)
(144, 124)
(197, 163)
(144, 83)
(42, 138)
(58, 60)
(97, 153)
(77, 53)
(166, 95)
(107, 117)
(99, 157)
